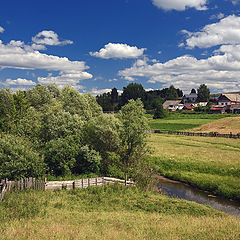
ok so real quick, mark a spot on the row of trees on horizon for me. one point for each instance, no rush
(112, 101)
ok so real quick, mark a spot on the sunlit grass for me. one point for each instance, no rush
(208, 163)
(111, 213)
(180, 122)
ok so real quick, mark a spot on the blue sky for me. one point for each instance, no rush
(96, 45)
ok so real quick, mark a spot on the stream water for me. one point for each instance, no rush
(184, 191)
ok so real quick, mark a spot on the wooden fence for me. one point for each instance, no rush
(199, 134)
(32, 183)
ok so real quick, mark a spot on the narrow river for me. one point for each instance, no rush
(183, 191)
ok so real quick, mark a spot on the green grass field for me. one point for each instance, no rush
(211, 164)
(110, 213)
(180, 121)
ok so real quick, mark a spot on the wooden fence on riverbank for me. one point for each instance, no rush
(41, 185)
(199, 134)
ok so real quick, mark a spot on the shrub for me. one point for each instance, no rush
(18, 159)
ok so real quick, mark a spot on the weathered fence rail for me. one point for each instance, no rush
(199, 134)
(32, 183)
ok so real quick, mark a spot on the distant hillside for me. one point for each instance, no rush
(225, 125)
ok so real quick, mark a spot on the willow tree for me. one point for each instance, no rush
(132, 134)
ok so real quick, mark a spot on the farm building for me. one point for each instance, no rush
(190, 98)
(229, 99)
(173, 105)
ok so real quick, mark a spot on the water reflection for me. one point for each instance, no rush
(183, 191)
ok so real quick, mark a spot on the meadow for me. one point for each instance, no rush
(179, 121)
(207, 163)
(110, 212)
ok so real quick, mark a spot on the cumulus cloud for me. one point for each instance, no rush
(20, 81)
(220, 72)
(226, 31)
(2, 29)
(95, 91)
(65, 78)
(217, 16)
(180, 5)
(18, 55)
(118, 50)
(49, 38)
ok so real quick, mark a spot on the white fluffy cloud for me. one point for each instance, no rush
(65, 78)
(180, 5)
(118, 50)
(20, 81)
(2, 29)
(49, 38)
(18, 55)
(226, 31)
(220, 72)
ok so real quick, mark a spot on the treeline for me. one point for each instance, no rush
(46, 130)
(112, 101)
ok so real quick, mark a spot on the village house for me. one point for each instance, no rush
(229, 99)
(173, 105)
(189, 98)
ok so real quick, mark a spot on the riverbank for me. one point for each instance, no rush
(112, 212)
(207, 163)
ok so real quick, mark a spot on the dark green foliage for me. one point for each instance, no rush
(105, 101)
(7, 110)
(172, 93)
(61, 154)
(18, 159)
(132, 91)
(159, 112)
(87, 161)
(203, 93)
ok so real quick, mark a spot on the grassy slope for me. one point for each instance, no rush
(225, 125)
(179, 122)
(209, 163)
(110, 213)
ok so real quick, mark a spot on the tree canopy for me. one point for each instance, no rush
(46, 130)
(203, 93)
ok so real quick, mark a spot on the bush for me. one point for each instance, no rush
(18, 159)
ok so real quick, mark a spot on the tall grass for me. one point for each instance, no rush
(112, 212)
(210, 164)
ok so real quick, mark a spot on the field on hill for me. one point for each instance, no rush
(110, 213)
(226, 125)
(180, 121)
(209, 163)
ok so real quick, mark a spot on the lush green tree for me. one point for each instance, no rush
(87, 161)
(114, 98)
(172, 93)
(105, 101)
(84, 105)
(18, 159)
(54, 90)
(103, 134)
(7, 110)
(203, 93)
(132, 91)
(30, 125)
(56, 122)
(159, 112)
(21, 104)
(132, 134)
(60, 155)
(38, 96)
